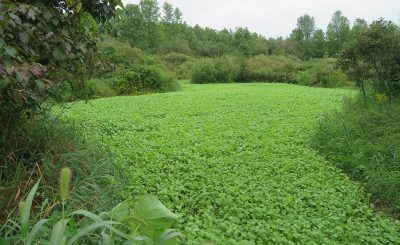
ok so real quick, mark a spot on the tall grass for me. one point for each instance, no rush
(39, 148)
(364, 141)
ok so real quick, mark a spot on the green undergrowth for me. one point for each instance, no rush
(365, 143)
(39, 148)
(236, 162)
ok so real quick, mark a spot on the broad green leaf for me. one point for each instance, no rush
(15, 18)
(150, 208)
(120, 212)
(59, 54)
(40, 84)
(31, 14)
(26, 210)
(11, 51)
(24, 37)
(154, 213)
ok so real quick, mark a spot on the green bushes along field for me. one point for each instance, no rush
(262, 68)
(364, 143)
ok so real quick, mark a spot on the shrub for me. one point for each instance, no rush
(365, 144)
(184, 71)
(142, 79)
(264, 68)
(373, 55)
(99, 88)
(203, 71)
(114, 52)
(322, 73)
(175, 59)
(217, 70)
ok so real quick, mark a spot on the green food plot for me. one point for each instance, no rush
(236, 163)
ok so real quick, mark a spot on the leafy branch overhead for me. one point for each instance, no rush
(38, 37)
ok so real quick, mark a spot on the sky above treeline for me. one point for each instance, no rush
(273, 18)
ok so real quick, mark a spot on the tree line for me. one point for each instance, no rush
(162, 30)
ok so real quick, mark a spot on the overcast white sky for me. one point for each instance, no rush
(273, 18)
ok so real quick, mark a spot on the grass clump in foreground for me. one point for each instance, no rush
(365, 143)
(70, 208)
(37, 149)
(236, 162)
(146, 221)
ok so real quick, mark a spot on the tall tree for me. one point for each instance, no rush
(338, 33)
(302, 36)
(359, 24)
(374, 55)
(151, 14)
(168, 13)
(177, 16)
(131, 27)
(318, 44)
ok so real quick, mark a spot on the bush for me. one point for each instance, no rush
(264, 68)
(178, 63)
(184, 71)
(99, 88)
(142, 79)
(117, 53)
(322, 73)
(217, 70)
(365, 144)
(175, 59)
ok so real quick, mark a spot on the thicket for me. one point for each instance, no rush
(124, 70)
(263, 68)
(363, 138)
(365, 143)
(217, 70)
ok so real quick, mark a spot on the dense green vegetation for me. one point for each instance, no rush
(236, 162)
(262, 68)
(364, 142)
(241, 163)
(362, 139)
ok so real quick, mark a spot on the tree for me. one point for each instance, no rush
(318, 44)
(131, 26)
(177, 16)
(42, 44)
(359, 25)
(374, 54)
(168, 13)
(151, 14)
(302, 36)
(338, 33)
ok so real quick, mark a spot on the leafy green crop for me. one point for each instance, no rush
(235, 161)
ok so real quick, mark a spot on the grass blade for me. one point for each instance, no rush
(85, 231)
(88, 214)
(57, 235)
(26, 210)
(168, 235)
(36, 228)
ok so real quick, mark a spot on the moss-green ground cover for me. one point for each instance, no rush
(235, 161)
